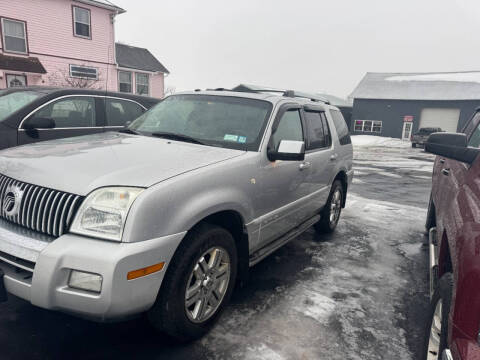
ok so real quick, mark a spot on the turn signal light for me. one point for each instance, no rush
(145, 271)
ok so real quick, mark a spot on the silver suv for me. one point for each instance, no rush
(166, 215)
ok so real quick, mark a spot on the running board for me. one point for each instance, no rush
(262, 253)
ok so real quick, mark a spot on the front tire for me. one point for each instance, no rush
(198, 284)
(332, 210)
(436, 331)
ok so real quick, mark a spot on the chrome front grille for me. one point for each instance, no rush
(41, 209)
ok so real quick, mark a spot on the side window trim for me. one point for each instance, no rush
(26, 117)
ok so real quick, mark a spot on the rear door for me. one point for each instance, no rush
(72, 116)
(318, 158)
(119, 112)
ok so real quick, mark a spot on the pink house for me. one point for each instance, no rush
(71, 43)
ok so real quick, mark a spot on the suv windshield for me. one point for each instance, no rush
(231, 122)
(12, 102)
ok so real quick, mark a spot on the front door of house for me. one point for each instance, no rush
(407, 131)
(16, 80)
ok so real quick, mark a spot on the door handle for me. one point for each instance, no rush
(333, 157)
(446, 172)
(442, 161)
(304, 165)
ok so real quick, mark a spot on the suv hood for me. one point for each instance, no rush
(81, 164)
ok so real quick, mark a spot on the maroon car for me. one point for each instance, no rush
(454, 226)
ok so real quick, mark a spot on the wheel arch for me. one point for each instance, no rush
(342, 177)
(233, 222)
(444, 258)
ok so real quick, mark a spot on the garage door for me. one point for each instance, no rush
(446, 119)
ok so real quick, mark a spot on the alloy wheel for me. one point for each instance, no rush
(335, 207)
(207, 284)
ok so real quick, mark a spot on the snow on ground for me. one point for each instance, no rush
(378, 141)
(345, 304)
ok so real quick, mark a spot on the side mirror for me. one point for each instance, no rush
(452, 146)
(39, 123)
(288, 150)
(127, 123)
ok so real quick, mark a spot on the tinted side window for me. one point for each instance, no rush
(341, 126)
(289, 128)
(472, 125)
(316, 138)
(70, 112)
(120, 111)
(326, 130)
(474, 140)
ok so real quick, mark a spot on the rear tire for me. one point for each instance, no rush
(436, 331)
(194, 269)
(332, 209)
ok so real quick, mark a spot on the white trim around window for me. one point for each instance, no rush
(83, 72)
(142, 84)
(14, 36)
(83, 18)
(125, 81)
(370, 126)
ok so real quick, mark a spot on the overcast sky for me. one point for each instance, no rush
(310, 45)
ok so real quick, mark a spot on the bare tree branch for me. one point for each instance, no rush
(62, 78)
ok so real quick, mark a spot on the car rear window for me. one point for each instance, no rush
(11, 102)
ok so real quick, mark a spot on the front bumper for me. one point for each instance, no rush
(37, 270)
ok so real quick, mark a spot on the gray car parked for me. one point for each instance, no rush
(166, 215)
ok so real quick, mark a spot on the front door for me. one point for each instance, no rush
(407, 130)
(281, 183)
(71, 116)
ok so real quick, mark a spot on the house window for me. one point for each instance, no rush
(368, 126)
(81, 22)
(125, 81)
(83, 72)
(14, 36)
(141, 81)
(16, 80)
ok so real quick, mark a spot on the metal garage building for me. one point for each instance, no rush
(398, 104)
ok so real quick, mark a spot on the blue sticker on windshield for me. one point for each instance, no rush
(242, 139)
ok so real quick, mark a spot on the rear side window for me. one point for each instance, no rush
(318, 133)
(474, 140)
(120, 111)
(342, 128)
(326, 129)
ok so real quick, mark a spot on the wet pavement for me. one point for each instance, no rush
(360, 293)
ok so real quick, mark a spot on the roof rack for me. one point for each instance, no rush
(290, 94)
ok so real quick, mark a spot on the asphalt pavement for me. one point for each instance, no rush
(360, 293)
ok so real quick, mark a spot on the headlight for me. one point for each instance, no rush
(104, 212)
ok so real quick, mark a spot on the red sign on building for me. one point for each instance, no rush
(408, 118)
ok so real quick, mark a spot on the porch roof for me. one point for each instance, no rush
(22, 64)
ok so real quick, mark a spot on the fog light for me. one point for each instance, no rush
(85, 281)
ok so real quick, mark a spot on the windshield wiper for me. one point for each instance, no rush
(129, 131)
(179, 137)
